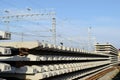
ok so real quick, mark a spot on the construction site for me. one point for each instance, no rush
(48, 58)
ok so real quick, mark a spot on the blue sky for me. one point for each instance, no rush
(75, 16)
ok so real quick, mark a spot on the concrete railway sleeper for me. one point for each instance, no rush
(47, 71)
(32, 57)
(4, 67)
(58, 62)
(24, 48)
(78, 74)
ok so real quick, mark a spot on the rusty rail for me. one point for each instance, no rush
(100, 74)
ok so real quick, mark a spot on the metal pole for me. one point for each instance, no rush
(54, 29)
(7, 25)
(22, 37)
(89, 38)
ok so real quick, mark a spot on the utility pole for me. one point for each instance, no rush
(7, 25)
(22, 36)
(6, 21)
(54, 29)
(89, 38)
(94, 42)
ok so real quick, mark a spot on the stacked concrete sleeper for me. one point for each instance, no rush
(56, 62)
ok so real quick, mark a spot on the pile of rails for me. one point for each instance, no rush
(37, 60)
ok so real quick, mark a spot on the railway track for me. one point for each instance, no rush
(100, 74)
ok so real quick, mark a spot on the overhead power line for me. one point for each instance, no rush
(42, 15)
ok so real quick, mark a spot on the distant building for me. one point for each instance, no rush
(110, 50)
(106, 48)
